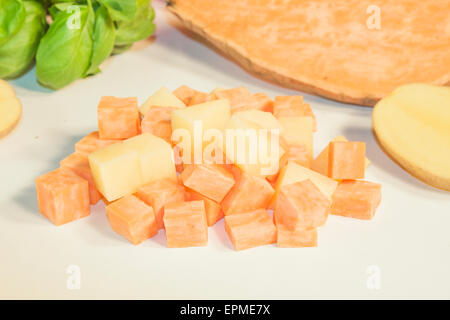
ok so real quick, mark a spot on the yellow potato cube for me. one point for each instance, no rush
(161, 98)
(199, 124)
(116, 170)
(262, 119)
(252, 148)
(298, 130)
(294, 172)
(155, 157)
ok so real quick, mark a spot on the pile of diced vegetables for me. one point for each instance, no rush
(134, 164)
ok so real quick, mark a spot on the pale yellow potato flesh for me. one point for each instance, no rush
(412, 125)
(10, 108)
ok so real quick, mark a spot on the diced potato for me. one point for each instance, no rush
(155, 157)
(191, 124)
(262, 119)
(294, 172)
(251, 148)
(116, 170)
(161, 98)
(298, 130)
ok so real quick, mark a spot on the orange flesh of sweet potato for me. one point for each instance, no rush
(346, 160)
(118, 118)
(296, 238)
(62, 196)
(79, 164)
(132, 219)
(201, 97)
(356, 199)
(262, 102)
(293, 106)
(321, 46)
(157, 122)
(91, 143)
(211, 180)
(250, 229)
(213, 209)
(159, 193)
(248, 194)
(240, 98)
(185, 94)
(301, 205)
(186, 224)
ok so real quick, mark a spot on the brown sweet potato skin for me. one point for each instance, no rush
(325, 47)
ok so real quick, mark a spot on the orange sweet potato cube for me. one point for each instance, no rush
(346, 160)
(160, 193)
(186, 224)
(296, 238)
(79, 164)
(157, 122)
(250, 229)
(292, 106)
(213, 209)
(132, 219)
(262, 101)
(239, 98)
(91, 143)
(185, 94)
(201, 97)
(211, 180)
(62, 196)
(301, 205)
(356, 199)
(118, 118)
(248, 194)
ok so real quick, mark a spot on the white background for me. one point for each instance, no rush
(408, 241)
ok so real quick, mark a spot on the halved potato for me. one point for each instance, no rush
(412, 124)
(10, 112)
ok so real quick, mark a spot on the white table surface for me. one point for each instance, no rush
(408, 241)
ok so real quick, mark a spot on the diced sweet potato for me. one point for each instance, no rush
(356, 199)
(213, 209)
(132, 219)
(239, 98)
(250, 229)
(185, 94)
(79, 164)
(157, 122)
(293, 106)
(210, 180)
(301, 205)
(160, 193)
(320, 163)
(62, 196)
(118, 118)
(262, 102)
(346, 160)
(296, 238)
(201, 97)
(186, 224)
(248, 194)
(91, 143)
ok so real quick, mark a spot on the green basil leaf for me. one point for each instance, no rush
(120, 10)
(17, 54)
(137, 29)
(103, 37)
(65, 51)
(12, 16)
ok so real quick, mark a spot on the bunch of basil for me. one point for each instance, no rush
(81, 35)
